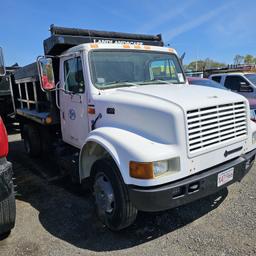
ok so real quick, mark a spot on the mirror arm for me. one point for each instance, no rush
(68, 92)
(56, 95)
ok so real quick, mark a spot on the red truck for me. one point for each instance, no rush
(7, 198)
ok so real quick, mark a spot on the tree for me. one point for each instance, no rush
(196, 65)
(238, 59)
(249, 59)
(201, 65)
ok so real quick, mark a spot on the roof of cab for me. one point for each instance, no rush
(93, 46)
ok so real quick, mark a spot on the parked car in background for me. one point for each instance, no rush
(253, 113)
(214, 84)
(241, 82)
(252, 103)
(7, 198)
(205, 82)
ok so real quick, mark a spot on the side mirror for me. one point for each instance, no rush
(45, 69)
(2, 67)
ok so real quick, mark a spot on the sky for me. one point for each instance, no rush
(202, 29)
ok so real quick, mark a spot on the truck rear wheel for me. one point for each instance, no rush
(111, 196)
(32, 140)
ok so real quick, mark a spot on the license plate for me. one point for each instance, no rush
(225, 177)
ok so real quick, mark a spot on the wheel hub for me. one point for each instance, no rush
(104, 194)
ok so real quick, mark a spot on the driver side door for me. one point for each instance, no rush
(73, 102)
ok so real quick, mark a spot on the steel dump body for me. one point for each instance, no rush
(28, 98)
(64, 38)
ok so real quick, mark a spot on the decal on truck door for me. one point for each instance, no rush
(72, 114)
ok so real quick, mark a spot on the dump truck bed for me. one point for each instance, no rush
(28, 98)
(62, 38)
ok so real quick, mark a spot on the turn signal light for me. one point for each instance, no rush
(48, 120)
(91, 110)
(126, 46)
(146, 47)
(94, 46)
(141, 170)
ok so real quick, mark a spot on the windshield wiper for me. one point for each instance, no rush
(153, 81)
(116, 84)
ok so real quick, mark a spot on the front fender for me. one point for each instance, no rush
(125, 146)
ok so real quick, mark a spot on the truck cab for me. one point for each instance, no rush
(103, 79)
(144, 139)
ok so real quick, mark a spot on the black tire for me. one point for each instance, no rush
(45, 140)
(5, 118)
(123, 213)
(7, 216)
(32, 141)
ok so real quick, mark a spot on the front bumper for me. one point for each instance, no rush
(189, 189)
(6, 183)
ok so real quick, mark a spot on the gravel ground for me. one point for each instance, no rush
(57, 218)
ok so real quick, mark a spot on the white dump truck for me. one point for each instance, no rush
(116, 111)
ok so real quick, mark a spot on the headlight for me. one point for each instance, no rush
(160, 167)
(154, 169)
(253, 137)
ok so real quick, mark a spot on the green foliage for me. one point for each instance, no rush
(201, 65)
(247, 59)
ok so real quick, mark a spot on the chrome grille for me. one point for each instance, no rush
(212, 125)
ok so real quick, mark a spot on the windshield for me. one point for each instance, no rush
(121, 68)
(252, 78)
(207, 82)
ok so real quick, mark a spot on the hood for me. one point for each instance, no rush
(157, 111)
(185, 96)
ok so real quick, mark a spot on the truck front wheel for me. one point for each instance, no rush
(111, 196)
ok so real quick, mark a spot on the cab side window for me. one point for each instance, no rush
(73, 75)
(237, 84)
(216, 78)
